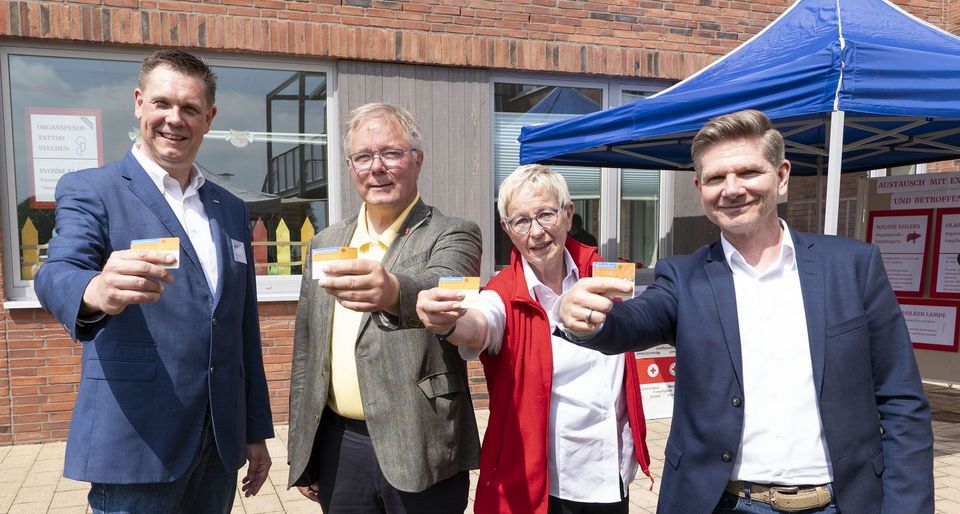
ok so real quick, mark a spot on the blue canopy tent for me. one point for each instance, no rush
(852, 84)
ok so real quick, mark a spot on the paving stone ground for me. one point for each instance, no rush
(31, 478)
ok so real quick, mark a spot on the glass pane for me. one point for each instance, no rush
(267, 145)
(639, 208)
(518, 105)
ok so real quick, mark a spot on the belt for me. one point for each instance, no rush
(783, 498)
(357, 426)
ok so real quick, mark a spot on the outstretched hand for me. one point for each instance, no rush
(128, 277)
(362, 285)
(584, 307)
(439, 309)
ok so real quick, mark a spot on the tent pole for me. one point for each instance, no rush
(835, 150)
(819, 211)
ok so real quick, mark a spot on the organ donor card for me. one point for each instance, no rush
(167, 245)
(469, 286)
(625, 271)
(320, 256)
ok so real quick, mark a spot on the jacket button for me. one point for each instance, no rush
(211, 370)
(726, 457)
(736, 401)
(215, 322)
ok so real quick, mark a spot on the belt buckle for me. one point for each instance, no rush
(784, 489)
(788, 498)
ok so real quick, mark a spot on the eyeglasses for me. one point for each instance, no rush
(522, 224)
(391, 157)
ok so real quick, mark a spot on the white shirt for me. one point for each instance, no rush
(782, 441)
(188, 208)
(590, 445)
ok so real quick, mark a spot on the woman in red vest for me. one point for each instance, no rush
(566, 428)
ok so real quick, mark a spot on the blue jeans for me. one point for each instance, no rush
(205, 487)
(731, 503)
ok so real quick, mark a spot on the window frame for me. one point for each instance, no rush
(610, 193)
(19, 293)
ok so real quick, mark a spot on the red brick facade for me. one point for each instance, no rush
(39, 365)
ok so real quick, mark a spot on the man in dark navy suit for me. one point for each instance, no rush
(797, 388)
(173, 397)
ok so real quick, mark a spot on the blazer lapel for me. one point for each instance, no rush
(211, 206)
(417, 216)
(814, 296)
(725, 298)
(144, 188)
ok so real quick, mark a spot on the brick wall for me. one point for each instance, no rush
(944, 166)
(5, 424)
(43, 366)
(951, 16)
(653, 39)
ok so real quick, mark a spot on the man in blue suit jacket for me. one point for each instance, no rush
(797, 389)
(173, 397)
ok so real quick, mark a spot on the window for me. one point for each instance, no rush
(268, 145)
(519, 104)
(639, 208)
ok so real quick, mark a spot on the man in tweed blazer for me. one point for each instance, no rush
(380, 412)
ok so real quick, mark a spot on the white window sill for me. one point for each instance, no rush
(269, 289)
(26, 303)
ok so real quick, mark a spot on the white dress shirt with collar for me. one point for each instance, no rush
(590, 442)
(782, 441)
(188, 208)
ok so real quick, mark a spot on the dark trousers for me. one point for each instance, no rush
(351, 481)
(559, 506)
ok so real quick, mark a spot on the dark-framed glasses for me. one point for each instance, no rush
(522, 224)
(390, 157)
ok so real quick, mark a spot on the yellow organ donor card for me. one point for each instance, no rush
(470, 286)
(321, 256)
(167, 245)
(625, 271)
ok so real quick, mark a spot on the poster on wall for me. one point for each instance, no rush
(902, 238)
(932, 323)
(60, 141)
(928, 191)
(946, 252)
(657, 369)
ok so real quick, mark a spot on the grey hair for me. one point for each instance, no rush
(536, 176)
(372, 111)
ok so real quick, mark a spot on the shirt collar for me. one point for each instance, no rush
(158, 174)
(787, 253)
(363, 235)
(573, 274)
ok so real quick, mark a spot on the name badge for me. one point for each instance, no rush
(239, 252)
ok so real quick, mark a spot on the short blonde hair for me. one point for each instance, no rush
(537, 177)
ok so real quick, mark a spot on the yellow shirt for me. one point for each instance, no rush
(344, 396)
